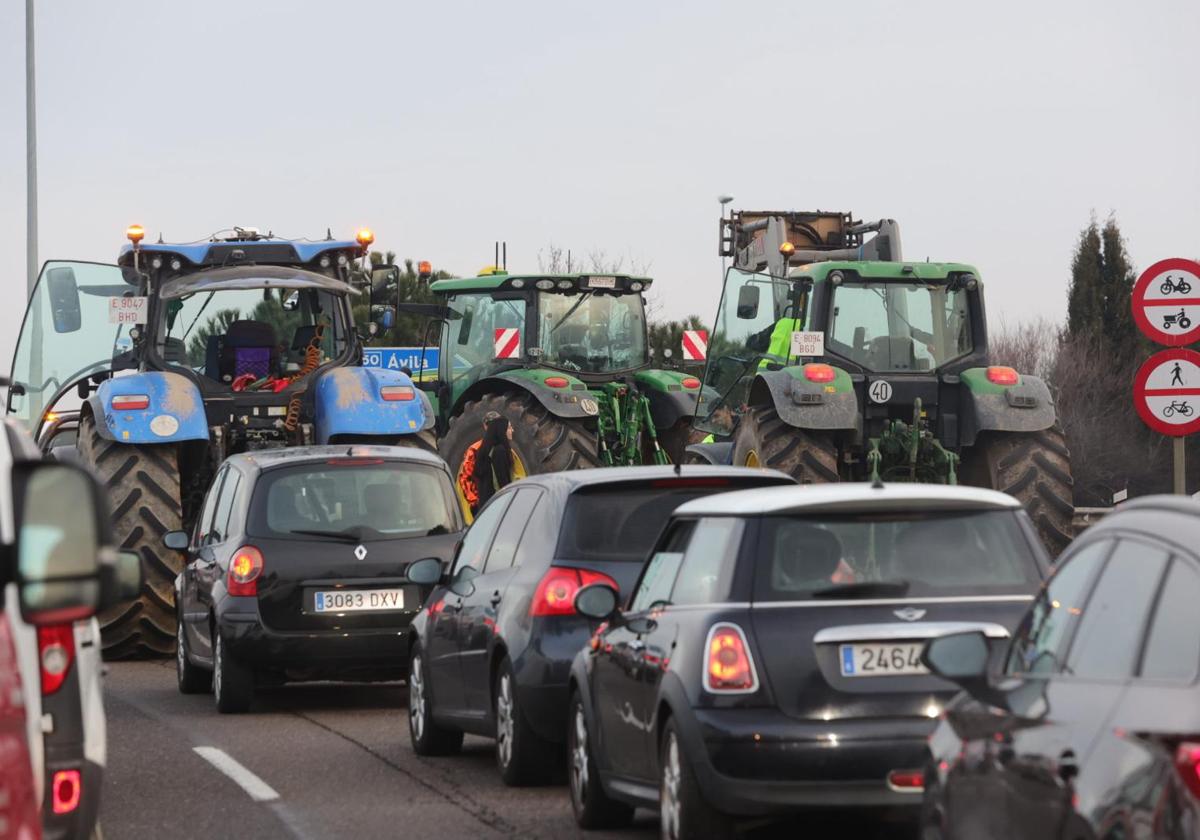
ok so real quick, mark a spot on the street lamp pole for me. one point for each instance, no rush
(31, 233)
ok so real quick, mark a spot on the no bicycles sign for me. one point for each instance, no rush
(1166, 302)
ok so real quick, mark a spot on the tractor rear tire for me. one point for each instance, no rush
(541, 441)
(143, 489)
(1035, 469)
(763, 439)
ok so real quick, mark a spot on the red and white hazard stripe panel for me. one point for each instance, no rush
(508, 343)
(695, 345)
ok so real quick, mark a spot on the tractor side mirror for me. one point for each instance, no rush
(747, 305)
(64, 299)
(292, 302)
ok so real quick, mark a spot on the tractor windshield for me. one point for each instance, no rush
(71, 330)
(899, 326)
(592, 331)
(235, 334)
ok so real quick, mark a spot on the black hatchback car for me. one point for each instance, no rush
(1091, 727)
(492, 650)
(768, 659)
(296, 569)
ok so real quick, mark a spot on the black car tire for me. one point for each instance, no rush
(523, 757)
(233, 681)
(192, 678)
(592, 806)
(684, 812)
(428, 738)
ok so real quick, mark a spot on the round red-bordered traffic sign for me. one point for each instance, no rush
(1166, 302)
(1166, 392)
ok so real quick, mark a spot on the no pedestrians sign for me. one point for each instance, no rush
(1166, 392)
(1166, 302)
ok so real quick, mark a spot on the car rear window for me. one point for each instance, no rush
(622, 520)
(913, 554)
(365, 499)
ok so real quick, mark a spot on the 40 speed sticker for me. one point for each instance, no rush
(880, 391)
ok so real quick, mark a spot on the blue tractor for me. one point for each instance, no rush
(183, 354)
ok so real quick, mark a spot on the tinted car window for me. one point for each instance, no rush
(1173, 645)
(657, 580)
(366, 499)
(1038, 644)
(204, 523)
(479, 536)
(940, 553)
(708, 564)
(220, 523)
(621, 521)
(504, 547)
(1106, 643)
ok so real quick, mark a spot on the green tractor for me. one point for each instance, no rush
(832, 359)
(566, 360)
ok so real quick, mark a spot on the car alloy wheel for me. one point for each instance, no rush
(416, 698)
(180, 650)
(672, 772)
(217, 680)
(579, 758)
(504, 720)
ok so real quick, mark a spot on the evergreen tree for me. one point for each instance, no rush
(1098, 300)
(1083, 295)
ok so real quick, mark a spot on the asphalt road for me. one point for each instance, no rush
(323, 761)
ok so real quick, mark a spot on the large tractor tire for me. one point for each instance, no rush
(143, 489)
(541, 441)
(1034, 468)
(763, 439)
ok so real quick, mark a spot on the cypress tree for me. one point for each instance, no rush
(1085, 292)
(1116, 283)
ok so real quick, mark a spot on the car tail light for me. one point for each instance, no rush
(906, 781)
(1002, 375)
(556, 382)
(65, 790)
(690, 382)
(819, 373)
(56, 652)
(556, 591)
(130, 402)
(730, 670)
(396, 393)
(244, 570)
(1187, 762)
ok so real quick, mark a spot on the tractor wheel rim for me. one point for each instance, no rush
(416, 699)
(579, 758)
(752, 459)
(670, 790)
(504, 721)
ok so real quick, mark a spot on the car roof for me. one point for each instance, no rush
(268, 459)
(1174, 519)
(849, 497)
(572, 480)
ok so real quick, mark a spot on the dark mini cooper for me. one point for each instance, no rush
(768, 660)
(296, 569)
(492, 652)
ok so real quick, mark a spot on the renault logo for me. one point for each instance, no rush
(909, 614)
(361, 554)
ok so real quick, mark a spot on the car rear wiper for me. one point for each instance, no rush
(337, 535)
(864, 589)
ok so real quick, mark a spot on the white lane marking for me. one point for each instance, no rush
(259, 790)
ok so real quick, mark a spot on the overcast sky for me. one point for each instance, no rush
(990, 134)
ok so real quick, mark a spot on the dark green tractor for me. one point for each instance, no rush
(831, 359)
(565, 359)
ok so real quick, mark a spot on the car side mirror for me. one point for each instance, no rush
(961, 658)
(292, 302)
(64, 299)
(176, 540)
(596, 601)
(747, 304)
(463, 584)
(121, 580)
(62, 538)
(426, 572)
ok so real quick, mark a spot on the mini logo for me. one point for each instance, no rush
(907, 614)
(361, 554)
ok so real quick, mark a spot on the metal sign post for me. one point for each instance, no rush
(1180, 467)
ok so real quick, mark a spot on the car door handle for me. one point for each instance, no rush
(496, 597)
(1068, 765)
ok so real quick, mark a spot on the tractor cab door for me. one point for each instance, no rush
(77, 321)
(754, 326)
